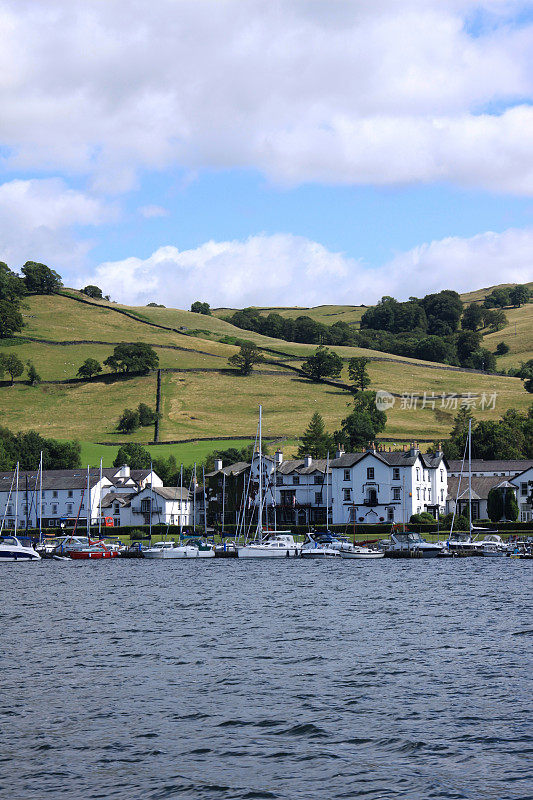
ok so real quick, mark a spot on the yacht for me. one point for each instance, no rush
(320, 545)
(408, 543)
(12, 549)
(359, 551)
(173, 550)
(277, 545)
(493, 546)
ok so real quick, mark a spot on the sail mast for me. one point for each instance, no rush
(470, 475)
(100, 504)
(181, 500)
(260, 509)
(88, 506)
(41, 498)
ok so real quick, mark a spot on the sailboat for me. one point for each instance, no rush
(267, 544)
(462, 542)
(11, 548)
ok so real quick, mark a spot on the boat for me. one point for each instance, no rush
(408, 544)
(280, 544)
(205, 549)
(134, 550)
(226, 550)
(320, 545)
(493, 546)
(62, 546)
(12, 549)
(191, 549)
(360, 551)
(462, 542)
(95, 551)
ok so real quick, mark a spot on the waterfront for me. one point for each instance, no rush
(223, 680)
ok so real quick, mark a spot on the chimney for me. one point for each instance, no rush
(218, 464)
(124, 471)
(414, 451)
(308, 460)
(339, 451)
(278, 457)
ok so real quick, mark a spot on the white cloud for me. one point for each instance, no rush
(149, 212)
(341, 92)
(283, 270)
(36, 221)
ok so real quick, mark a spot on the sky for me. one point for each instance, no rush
(268, 152)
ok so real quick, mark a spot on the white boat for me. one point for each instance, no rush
(359, 551)
(320, 545)
(12, 549)
(62, 545)
(408, 542)
(493, 546)
(278, 545)
(462, 542)
(173, 550)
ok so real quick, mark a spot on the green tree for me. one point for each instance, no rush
(494, 318)
(323, 364)
(316, 441)
(134, 455)
(528, 385)
(12, 287)
(10, 318)
(92, 291)
(33, 376)
(357, 372)
(147, 415)
(467, 342)
(498, 298)
(201, 308)
(129, 421)
(472, 317)
(12, 365)
(89, 368)
(519, 294)
(502, 348)
(363, 424)
(245, 359)
(40, 279)
(137, 358)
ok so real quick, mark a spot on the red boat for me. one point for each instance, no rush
(94, 551)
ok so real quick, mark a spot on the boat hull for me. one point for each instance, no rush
(18, 555)
(258, 552)
(371, 554)
(80, 555)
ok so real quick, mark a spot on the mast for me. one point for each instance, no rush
(470, 475)
(181, 500)
(194, 501)
(26, 502)
(41, 498)
(327, 493)
(88, 515)
(100, 504)
(17, 498)
(260, 509)
(223, 499)
(205, 504)
(151, 501)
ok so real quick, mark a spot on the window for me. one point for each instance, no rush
(442, 475)
(54, 509)
(523, 489)
(396, 493)
(9, 510)
(318, 480)
(279, 480)
(442, 495)
(390, 514)
(370, 473)
(347, 494)
(44, 493)
(396, 473)
(417, 474)
(117, 508)
(145, 504)
(70, 493)
(296, 480)
(82, 505)
(69, 508)
(318, 498)
(54, 494)
(346, 474)
(418, 494)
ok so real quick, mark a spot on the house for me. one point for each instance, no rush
(504, 468)
(481, 486)
(383, 486)
(302, 488)
(157, 505)
(67, 494)
(226, 487)
(524, 485)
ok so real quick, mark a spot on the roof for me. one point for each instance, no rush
(123, 499)
(497, 465)
(52, 479)
(171, 492)
(480, 486)
(298, 465)
(402, 458)
(231, 470)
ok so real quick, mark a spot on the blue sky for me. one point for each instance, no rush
(268, 152)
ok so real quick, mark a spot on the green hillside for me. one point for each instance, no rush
(212, 401)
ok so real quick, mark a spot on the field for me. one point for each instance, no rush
(213, 401)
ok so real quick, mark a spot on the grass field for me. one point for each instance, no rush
(328, 315)
(221, 403)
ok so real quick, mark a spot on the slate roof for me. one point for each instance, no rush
(480, 486)
(123, 499)
(498, 465)
(298, 465)
(71, 478)
(231, 470)
(171, 492)
(395, 459)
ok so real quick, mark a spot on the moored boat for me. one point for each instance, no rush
(12, 549)
(94, 552)
(320, 545)
(277, 545)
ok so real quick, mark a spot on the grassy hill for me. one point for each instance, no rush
(202, 397)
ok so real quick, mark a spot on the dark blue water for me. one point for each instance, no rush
(227, 679)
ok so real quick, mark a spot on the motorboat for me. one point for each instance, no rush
(405, 544)
(205, 550)
(190, 549)
(94, 552)
(134, 550)
(359, 551)
(226, 550)
(12, 549)
(462, 543)
(62, 546)
(276, 545)
(320, 545)
(493, 546)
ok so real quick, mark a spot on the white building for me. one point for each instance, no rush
(504, 468)
(378, 486)
(67, 494)
(165, 505)
(302, 487)
(477, 495)
(524, 495)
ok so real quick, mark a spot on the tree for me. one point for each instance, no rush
(129, 421)
(89, 368)
(134, 455)
(245, 359)
(201, 308)
(467, 342)
(316, 441)
(12, 365)
(147, 415)
(502, 348)
(519, 294)
(495, 318)
(358, 373)
(33, 376)
(498, 298)
(10, 318)
(363, 424)
(11, 285)
(323, 364)
(92, 291)
(40, 279)
(472, 317)
(27, 447)
(133, 358)
(502, 503)
(528, 385)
